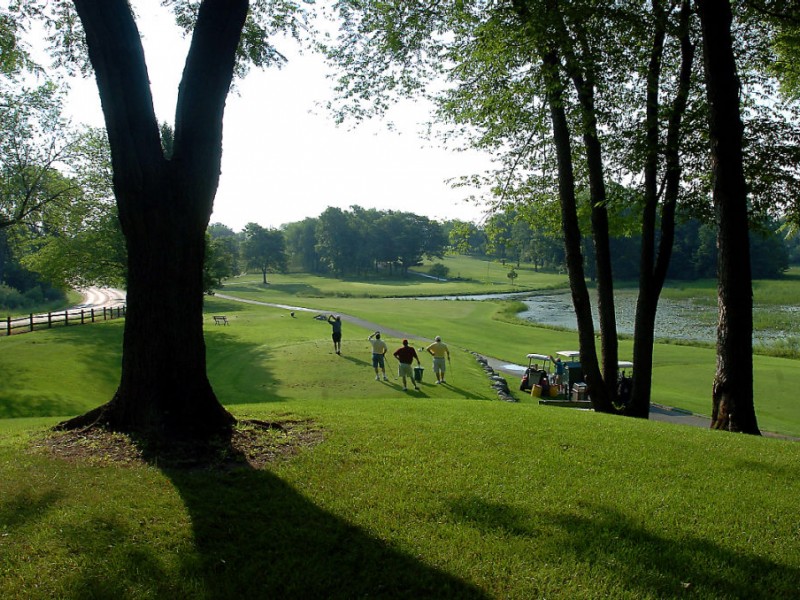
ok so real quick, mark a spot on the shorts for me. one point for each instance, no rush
(337, 336)
(377, 361)
(405, 370)
(439, 365)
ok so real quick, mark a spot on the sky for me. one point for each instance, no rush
(284, 159)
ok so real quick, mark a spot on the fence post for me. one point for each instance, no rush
(93, 315)
(8, 325)
(49, 320)
(82, 323)
(66, 318)
(31, 318)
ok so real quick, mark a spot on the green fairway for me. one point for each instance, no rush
(682, 375)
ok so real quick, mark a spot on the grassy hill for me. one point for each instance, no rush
(443, 493)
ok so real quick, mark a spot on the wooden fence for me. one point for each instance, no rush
(81, 316)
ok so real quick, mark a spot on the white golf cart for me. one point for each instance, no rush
(565, 385)
(550, 378)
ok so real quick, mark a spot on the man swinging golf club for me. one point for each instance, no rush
(439, 350)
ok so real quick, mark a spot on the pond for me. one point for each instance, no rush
(685, 319)
(681, 319)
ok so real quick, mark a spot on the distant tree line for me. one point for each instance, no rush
(355, 242)
(509, 237)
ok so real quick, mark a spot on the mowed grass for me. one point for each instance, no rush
(443, 493)
(682, 375)
(467, 276)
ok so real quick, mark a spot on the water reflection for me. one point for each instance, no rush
(684, 319)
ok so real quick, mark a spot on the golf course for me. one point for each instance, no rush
(358, 489)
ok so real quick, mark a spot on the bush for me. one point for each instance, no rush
(10, 298)
(439, 271)
(35, 295)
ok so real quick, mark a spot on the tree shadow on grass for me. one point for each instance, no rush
(462, 392)
(239, 371)
(97, 347)
(98, 350)
(357, 361)
(258, 537)
(220, 307)
(630, 554)
(289, 289)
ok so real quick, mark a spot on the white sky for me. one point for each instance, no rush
(284, 159)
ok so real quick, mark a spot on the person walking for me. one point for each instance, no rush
(336, 334)
(439, 350)
(379, 350)
(406, 355)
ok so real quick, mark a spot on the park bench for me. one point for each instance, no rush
(220, 320)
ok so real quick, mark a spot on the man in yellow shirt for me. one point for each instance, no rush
(439, 350)
(379, 350)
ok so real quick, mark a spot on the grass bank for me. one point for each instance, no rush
(443, 493)
(411, 497)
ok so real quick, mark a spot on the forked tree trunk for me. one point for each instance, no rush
(569, 221)
(732, 395)
(566, 193)
(654, 265)
(603, 389)
(164, 207)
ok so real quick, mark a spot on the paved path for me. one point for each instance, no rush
(100, 297)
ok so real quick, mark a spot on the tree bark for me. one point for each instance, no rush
(164, 208)
(654, 266)
(569, 220)
(732, 394)
(581, 301)
(603, 391)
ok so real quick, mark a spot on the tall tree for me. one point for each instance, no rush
(80, 243)
(300, 244)
(164, 207)
(656, 250)
(732, 400)
(36, 144)
(264, 249)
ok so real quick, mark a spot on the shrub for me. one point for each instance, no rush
(439, 271)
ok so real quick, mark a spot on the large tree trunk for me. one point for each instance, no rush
(603, 391)
(569, 221)
(647, 301)
(569, 213)
(654, 266)
(164, 207)
(732, 398)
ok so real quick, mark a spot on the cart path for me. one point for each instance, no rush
(658, 412)
(99, 297)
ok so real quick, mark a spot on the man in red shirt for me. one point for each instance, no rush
(406, 355)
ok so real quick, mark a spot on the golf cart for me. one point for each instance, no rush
(551, 379)
(558, 381)
(538, 365)
(567, 385)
